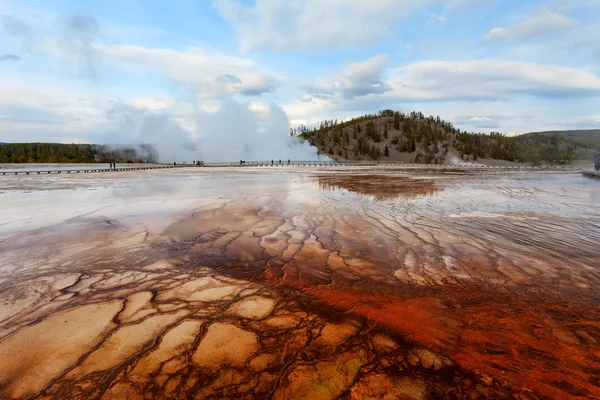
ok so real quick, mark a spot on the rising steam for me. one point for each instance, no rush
(232, 132)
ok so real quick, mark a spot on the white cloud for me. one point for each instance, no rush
(532, 27)
(9, 57)
(478, 86)
(14, 26)
(436, 18)
(150, 103)
(467, 3)
(324, 24)
(486, 79)
(16, 94)
(286, 24)
(80, 31)
(591, 118)
(357, 79)
(209, 74)
(482, 79)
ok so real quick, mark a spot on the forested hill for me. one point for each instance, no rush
(74, 153)
(583, 137)
(395, 136)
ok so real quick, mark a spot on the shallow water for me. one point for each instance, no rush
(288, 285)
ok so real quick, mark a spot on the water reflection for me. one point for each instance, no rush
(381, 187)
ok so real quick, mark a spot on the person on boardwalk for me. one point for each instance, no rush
(288, 161)
(271, 163)
(597, 161)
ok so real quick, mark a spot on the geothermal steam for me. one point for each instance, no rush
(232, 132)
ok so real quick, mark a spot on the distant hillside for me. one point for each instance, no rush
(74, 153)
(584, 138)
(395, 136)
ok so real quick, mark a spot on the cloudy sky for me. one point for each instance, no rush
(95, 71)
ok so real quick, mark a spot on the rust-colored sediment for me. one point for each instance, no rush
(385, 296)
(381, 187)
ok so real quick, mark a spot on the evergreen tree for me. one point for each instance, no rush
(397, 121)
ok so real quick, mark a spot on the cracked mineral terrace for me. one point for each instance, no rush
(351, 283)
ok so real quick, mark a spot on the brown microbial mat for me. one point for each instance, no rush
(381, 187)
(305, 286)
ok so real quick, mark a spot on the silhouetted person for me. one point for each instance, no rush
(271, 163)
(597, 162)
(288, 161)
(279, 162)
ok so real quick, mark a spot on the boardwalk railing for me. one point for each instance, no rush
(89, 170)
(328, 163)
(306, 163)
(277, 163)
(590, 173)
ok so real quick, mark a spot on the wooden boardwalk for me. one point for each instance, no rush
(88, 170)
(307, 163)
(590, 173)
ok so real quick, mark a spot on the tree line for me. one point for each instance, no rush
(75, 153)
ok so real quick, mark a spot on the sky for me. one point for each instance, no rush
(192, 72)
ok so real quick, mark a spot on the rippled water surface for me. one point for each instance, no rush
(316, 284)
